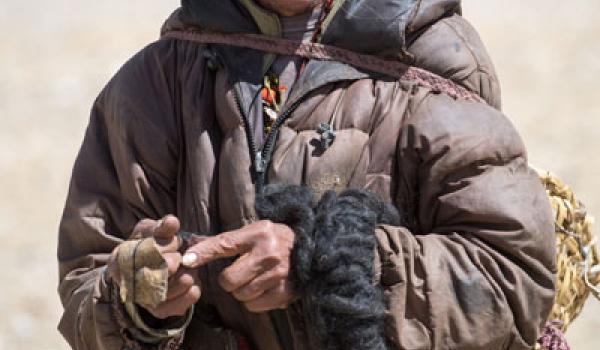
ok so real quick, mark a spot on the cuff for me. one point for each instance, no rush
(136, 331)
(149, 334)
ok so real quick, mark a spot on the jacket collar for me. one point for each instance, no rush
(375, 27)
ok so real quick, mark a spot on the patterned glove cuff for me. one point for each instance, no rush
(169, 331)
(137, 334)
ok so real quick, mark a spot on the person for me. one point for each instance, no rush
(188, 134)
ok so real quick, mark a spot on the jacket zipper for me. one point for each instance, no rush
(262, 159)
(260, 162)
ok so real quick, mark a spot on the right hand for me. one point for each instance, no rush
(184, 285)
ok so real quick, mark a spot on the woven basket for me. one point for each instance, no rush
(578, 256)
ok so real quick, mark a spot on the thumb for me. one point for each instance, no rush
(225, 245)
(165, 232)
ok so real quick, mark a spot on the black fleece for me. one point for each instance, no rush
(332, 260)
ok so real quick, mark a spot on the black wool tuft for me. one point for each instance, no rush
(332, 261)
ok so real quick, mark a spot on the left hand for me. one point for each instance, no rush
(183, 286)
(259, 278)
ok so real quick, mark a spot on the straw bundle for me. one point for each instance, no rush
(578, 256)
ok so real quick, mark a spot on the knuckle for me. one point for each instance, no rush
(143, 228)
(172, 270)
(251, 307)
(145, 223)
(226, 282)
(281, 272)
(168, 217)
(254, 289)
(194, 293)
(241, 295)
(173, 259)
(270, 245)
(264, 229)
(262, 235)
(186, 280)
(249, 291)
(266, 225)
(173, 264)
(225, 243)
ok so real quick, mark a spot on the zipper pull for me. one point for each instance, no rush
(327, 135)
(259, 163)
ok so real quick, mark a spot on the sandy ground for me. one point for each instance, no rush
(55, 56)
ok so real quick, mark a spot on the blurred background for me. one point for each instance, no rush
(55, 56)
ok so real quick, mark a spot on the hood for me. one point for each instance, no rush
(381, 28)
(376, 27)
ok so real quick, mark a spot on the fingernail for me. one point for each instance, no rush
(189, 258)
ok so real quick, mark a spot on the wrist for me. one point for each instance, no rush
(138, 325)
(154, 328)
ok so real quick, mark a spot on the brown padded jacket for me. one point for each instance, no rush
(472, 269)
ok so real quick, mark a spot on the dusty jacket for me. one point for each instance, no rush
(473, 268)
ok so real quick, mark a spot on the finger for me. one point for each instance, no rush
(166, 228)
(173, 262)
(180, 283)
(277, 298)
(178, 306)
(165, 235)
(225, 245)
(259, 285)
(245, 269)
(163, 231)
(143, 229)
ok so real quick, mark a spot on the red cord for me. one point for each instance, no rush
(327, 5)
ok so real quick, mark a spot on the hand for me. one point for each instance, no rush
(184, 285)
(259, 277)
